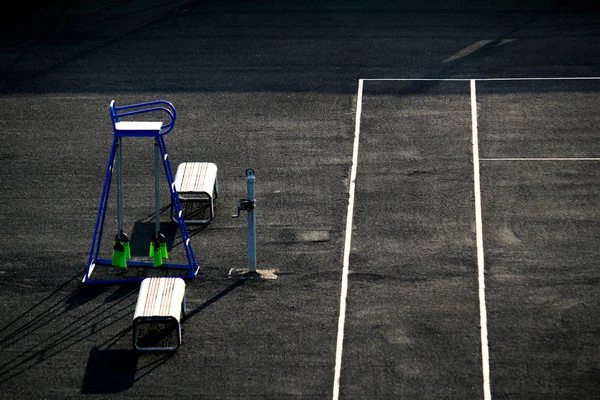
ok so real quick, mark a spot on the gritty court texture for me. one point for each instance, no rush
(427, 191)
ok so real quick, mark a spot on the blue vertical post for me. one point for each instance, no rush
(119, 188)
(250, 180)
(156, 190)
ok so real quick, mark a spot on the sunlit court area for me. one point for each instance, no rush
(316, 200)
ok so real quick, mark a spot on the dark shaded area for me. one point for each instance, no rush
(109, 371)
(60, 315)
(214, 299)
(285, 46)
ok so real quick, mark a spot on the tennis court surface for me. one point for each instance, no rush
(426, 184)
(469, 263)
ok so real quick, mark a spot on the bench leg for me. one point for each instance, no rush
(135, 335)
(211, 209)
(155, 349)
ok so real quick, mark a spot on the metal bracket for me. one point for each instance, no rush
(244, 205)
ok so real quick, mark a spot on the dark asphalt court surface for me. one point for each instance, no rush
(275, 86)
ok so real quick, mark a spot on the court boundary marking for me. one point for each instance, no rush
(485, 354)
(347, 245)
(564, 78)
(478, 213)
(542, 159)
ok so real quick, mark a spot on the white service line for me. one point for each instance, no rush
(542, 159)
(559, 78)
(347, 245)
(485, 359)
(564, 78)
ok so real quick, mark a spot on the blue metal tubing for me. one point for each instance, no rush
(156, 191)
(102, 261)
(181, 267)
(95, 247)
(191, 257)
(128, 280)
(94, 259)
(105, 205)
(119, 165)
(168, 108)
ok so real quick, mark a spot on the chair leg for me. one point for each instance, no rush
(135, 334)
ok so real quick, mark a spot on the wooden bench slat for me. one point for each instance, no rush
(160, 299)
(196, 182)
(196, 177)
(157, 297)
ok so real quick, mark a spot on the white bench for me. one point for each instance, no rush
(196, 182)
(161, 301)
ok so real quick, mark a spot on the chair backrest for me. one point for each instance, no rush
(117, 113)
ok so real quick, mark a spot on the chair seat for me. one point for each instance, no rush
(137, 128)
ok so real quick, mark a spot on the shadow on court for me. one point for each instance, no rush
(273, 85)
(58, 323)
(114, 370)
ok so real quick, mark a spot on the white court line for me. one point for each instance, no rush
(478, 218)
(542, 159)
(566, 78)
(347, 245)
(485, 358)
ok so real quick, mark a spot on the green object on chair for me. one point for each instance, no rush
(125, 240)
(158, 250)
(119, 258)
(155, 253)
(163, 245)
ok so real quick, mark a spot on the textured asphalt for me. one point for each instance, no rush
(273, 86)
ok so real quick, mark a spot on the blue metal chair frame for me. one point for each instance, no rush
(94, 257)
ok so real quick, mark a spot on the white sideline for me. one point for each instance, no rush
(542, 159)
(347, 245)
(478, 214)
(485, 358)
(564, 78)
